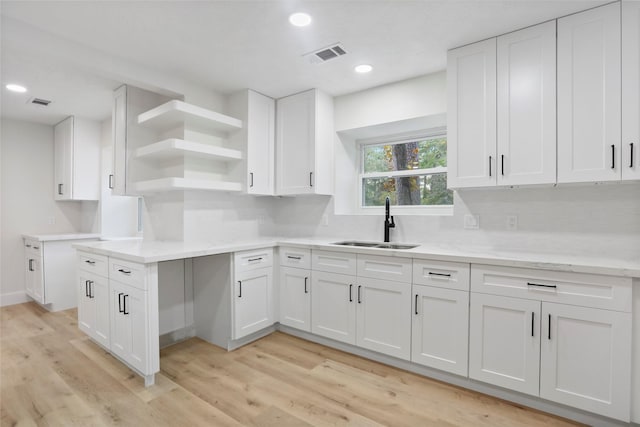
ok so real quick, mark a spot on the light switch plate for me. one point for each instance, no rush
(512, 222)
(472, 222)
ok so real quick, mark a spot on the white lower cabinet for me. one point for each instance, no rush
(252, 301)
(440, 330)
(129, 332)
(295, 298)
(585, 359)
(504, 342)
(34, 278)
(569, 354)
(383, 317)
(93, 307)
(333, 307)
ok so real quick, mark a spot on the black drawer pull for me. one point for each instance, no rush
(416, 303)
(255, 259)
(306, 280)
(31, 265)
(251, 176)
(489, 165)
(541, 286)
(86, 288)
(120, 310)
(359, 298)
(91, 282)
(124, 271)
(239, 288)
(350, 293)
(88, 261)
(549, 333)
(533, 314)
(439, 274)
(631, 155)
(28, 246)
(124, 305)
(294, 257)
(613, 156)
(36, 247)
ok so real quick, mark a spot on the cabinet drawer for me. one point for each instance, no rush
(250, 260)
(588, 290)
(33, 247)
(129, 273)
(442, 274)
(334, 262)
(385, 267)
(96, 264)
(295, 257)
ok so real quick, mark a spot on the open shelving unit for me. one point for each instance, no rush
(171, 116)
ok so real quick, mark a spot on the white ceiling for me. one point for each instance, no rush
(75, 53)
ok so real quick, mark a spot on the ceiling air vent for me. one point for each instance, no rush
(326, 53)
(40, 101)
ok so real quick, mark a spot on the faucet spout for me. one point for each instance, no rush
(388, 219)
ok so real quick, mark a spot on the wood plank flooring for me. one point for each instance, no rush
(52, 374)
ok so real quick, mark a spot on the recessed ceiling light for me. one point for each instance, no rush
(363, 68)
(16, 88)
(300, 19)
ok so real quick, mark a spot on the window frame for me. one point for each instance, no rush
(434, 133)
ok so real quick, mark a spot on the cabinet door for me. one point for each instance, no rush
(252, 302)
(28, 275)
(630, 90)
(504, 342)
(527, 106)
(63, 159)
(34, 278)
(295, 298)
(589, 95)
(586, 359)
(260, 144)
(333, 306)
(440, 332)
(93, 307)
(471, 127)
(119, 138)
(129, 331)
(383, 319)
(295, 135)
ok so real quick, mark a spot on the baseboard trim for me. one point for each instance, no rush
(13, 298)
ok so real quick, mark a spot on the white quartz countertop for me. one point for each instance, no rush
(157, 251)
(61, 236)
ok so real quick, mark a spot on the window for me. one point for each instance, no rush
(411, 172)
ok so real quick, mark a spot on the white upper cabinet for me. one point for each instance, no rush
(77, 159)
(589, 95)
(304, 138)
(630, 90)
(258, 113)
(471, 104)
(526, 87)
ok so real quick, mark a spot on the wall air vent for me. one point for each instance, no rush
(326, 53)
(40, 101)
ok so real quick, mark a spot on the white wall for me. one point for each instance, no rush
(27, 200)
(597, 220)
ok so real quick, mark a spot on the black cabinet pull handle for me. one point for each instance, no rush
(120, 310)
(350, 293)
(124, 305)
(542, 286)
(439, 274)
(60, 189)
(111, 181)
(86, 288)
(359, 299)
(310, 179)
(124, 271)
(533, 314)
(255, 259)
(36, 247)
(28, 246)
(239, 288)
(250, 179)
(31, 265)
(490, 158)
(306, 279)
(88, 261)
(549, 332)
(631, 155)
(294, 257)
(91, 282)
(613, 156)
(502, 164)
(416, 303)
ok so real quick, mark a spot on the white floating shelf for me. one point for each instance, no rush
(178, 148)
(168, 184)
(177, 113)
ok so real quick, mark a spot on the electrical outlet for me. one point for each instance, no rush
(512, 222)
(325, 220)
(472, 222)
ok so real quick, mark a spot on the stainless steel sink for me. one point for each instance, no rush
(375, 245)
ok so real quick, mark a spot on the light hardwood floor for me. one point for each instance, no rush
(52, 374)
